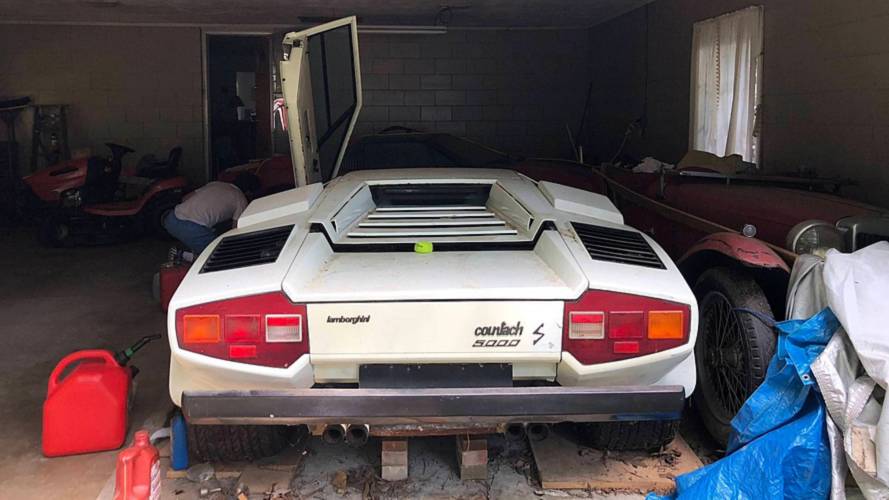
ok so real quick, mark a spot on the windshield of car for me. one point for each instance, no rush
(419, 150)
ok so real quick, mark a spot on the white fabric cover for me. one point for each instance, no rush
(852, 371)
(726, 61)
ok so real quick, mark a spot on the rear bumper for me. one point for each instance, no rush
(434, 406)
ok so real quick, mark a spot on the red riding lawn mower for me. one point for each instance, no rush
(88, 201)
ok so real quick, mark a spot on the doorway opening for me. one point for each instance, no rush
(239, 99)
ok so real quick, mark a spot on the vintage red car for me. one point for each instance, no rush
(735, 237)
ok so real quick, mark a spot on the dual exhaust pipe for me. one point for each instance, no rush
(534, 431)
(355, 435)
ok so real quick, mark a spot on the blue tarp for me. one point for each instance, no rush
(778, 448)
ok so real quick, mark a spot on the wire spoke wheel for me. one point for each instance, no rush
(725, 353)
(732, 350)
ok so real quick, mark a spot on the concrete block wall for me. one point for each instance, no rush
(137, 86)
(825, 85)
(141, 86)
(513, 90)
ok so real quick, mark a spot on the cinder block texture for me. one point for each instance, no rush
(526, 84)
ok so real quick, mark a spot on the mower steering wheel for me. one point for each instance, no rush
(117, 147)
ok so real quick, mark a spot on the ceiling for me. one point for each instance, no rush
(462, 13)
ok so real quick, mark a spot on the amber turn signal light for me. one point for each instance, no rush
(200, 329)
(665, 325)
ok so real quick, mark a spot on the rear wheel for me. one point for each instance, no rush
(235, 443)
(733, 349)
(630, 436)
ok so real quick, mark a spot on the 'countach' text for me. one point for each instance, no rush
(501, 330)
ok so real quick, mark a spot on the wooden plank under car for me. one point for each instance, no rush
(564, 464)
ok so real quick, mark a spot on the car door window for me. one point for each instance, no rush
(334, 92)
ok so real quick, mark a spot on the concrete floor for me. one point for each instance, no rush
(59, 301)
(56, 301)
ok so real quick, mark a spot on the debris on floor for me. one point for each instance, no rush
(562, 463)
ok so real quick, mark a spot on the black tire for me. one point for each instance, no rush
(54, 232)
(630, 436)
(154, 212)
(733, 349)
(235, 443)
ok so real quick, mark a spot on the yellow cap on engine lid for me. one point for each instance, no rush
(423, 247)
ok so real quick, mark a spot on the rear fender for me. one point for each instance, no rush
(751, 255)
(749, 252)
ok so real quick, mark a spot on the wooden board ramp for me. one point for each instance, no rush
(565, 464)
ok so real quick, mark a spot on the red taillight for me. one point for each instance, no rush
(626, 326)
(265, 330)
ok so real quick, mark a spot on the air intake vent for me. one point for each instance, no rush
(617, 245)
(250, 249)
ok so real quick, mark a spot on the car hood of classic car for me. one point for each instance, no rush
(772, 210)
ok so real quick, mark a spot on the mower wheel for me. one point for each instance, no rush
(54, 232)
(154, 212)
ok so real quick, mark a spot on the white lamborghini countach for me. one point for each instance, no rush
(454, 299)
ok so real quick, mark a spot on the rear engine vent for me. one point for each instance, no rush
(617, 245)
(244, 250)
(426, 195)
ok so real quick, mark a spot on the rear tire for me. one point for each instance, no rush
(630, 436)
(235, 443)
(733, 350)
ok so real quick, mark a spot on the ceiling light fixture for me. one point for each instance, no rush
(102, 3)
(370, 29)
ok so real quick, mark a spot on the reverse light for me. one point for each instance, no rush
(602, 326)
(586, 325)
(266, 330)
(283, 328)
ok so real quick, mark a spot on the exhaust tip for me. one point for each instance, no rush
(357, 435)
(333, 434)
(537, 431)
(515, 432)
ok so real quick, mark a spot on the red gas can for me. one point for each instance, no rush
(87, 410)
(171, 275)
(138, 474)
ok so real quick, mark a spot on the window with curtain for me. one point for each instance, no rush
(725, 84)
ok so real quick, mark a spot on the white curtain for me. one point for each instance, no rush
(725, 84)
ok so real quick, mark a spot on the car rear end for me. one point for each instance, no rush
(522, 314)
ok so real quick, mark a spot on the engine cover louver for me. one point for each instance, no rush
(244, 250)
(617, 245)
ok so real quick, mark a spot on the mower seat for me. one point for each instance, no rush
(152, 168)
(100, 184)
